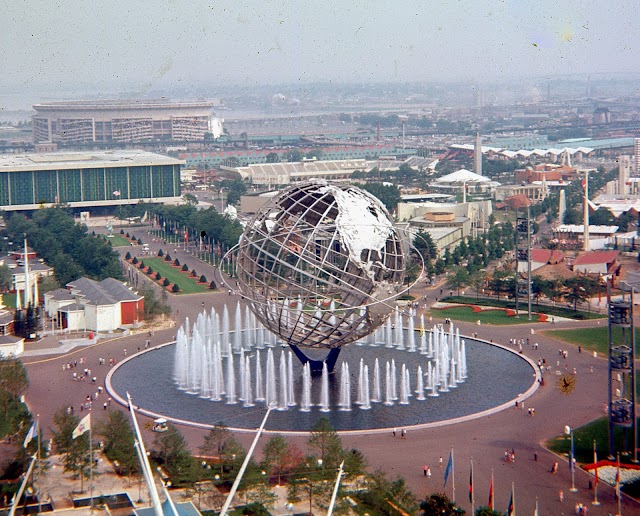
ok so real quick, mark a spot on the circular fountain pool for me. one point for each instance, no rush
(495, 377)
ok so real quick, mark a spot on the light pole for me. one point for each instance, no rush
(572, 461)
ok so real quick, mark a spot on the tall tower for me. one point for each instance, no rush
(477, 155)
(624, 172)
(636, 152)
(562, 206)
(585, 184)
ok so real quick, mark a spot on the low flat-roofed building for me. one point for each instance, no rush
(11, 346)
(274, 174)
(251, 203)
(87, 179)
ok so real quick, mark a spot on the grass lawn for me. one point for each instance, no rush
(592, 339)
(583, 438)
(118, 241)
(187, 284)
(466, 313)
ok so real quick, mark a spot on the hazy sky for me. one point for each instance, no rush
(160, 43)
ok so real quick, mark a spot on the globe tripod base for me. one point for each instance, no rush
(317, 365)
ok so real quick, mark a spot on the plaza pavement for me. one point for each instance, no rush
(482, 440)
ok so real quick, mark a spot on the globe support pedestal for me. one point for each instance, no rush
(316, 365)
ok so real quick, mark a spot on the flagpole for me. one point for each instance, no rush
(618, 488)
(453, 476)
(38, 459)
(535, 513)
(90, 471)
(595, 485)
(513, 497)
(491, 503)
(572, 466)
(473, 497)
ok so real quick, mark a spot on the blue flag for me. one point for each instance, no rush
(449, 468)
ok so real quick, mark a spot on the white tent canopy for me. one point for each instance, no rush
(463, 176)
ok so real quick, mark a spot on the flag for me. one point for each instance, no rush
(511, 511)
(82, 427)
(584, 183)
(33, 431)
(618, 479)
(471, 484)
(449, 468)
(490, 504)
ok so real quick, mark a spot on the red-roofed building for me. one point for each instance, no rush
(542, 257)
(597, 262)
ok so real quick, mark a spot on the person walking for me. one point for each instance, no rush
(424, 469)
(394, 432)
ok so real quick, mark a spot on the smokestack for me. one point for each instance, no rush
(624, 172)
(562, 206)
(586, 210)
(477, 155)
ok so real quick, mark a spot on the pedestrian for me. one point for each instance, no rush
(404, 433)
(428, 472)
(535, 456)
(394, 432)
(579, 349)
(125, 352)
(229, 291)
(147, 344)
(561, 495)
(424, 469)
(440, 462)
(104, 406)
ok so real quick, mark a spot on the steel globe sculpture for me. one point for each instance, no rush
(321, 265)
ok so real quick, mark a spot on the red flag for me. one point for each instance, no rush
(490, 504)
(618, 479)
(584, 184)
(471, 484)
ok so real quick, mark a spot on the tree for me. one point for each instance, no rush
(272, 157)
(486, 511)
(438, 504)
(119, 442)
(221, 444)
(171, 450)
(326, 443)
(459, 280)
(74, 452)
(203, 279)
(294, 156)
(13, 382)
(153, 307)
(6, 278)
(389, 195)
(175, 289)
(280, 457)
(477, 280)
(190, 199)
(423, 244)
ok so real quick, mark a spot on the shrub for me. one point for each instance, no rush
(194, 273)
(93, 233)
(139, 241)
(142, 266)
(158, 276)
(127, 235)
(167, 258)
(134, 261)
(160, 252)
(166, 282)
(185, 267)
(213, 285)
(150, 271)
(122, 231)
(127, 256)
(203, 279)
(175, 288)
(176, 263)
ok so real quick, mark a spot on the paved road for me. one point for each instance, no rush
(483, 440)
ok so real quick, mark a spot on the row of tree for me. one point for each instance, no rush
(309, 476)
(64, 245)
